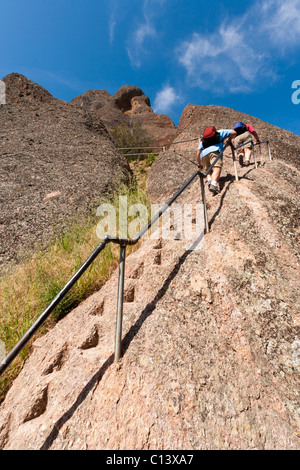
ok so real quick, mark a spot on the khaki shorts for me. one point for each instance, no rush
(208, 160)
(241, 139)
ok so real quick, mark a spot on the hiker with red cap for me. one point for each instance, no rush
(244, 134)
(210, 147)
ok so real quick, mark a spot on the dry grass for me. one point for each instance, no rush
(29, 289)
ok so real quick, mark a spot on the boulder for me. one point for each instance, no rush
(124, 96)
(129, 105)
(102, 104)
(20, 90)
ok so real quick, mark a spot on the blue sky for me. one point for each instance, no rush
(244, 55)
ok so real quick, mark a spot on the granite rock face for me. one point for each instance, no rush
(129, 105)
(124, 96)
(102, 104)
(22, 91)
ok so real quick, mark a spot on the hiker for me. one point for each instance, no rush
(244, 134)
(209, 149)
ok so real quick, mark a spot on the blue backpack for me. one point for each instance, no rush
(240, 128)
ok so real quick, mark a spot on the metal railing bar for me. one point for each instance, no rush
(118, 241)
(138, 154)
(181, 141)
(162, 147)
(249, 142)
(159, 146)
(45, 314)
(139, 148)
(263, 142)
(242, 145)
(204, 203)
(254, 145)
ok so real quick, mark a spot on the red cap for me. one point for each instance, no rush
(209, 132)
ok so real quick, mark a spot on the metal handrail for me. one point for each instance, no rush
(254, 145)
(138, 154)
(139, 148)
(181, 141)
(123, 242)
(163, 147)
(159, 146)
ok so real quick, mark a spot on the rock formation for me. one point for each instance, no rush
(129, 104)
(103, 105)
(22, 91)
(57, 162)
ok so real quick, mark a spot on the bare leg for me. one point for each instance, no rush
(247, 154)
(216, 174)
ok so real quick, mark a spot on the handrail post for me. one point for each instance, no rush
(119, 319)
(262, 158)
(234, 162)
(269, 150)
(204, 203)
(253, 151)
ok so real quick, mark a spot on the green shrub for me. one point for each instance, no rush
(151, 157)
(130, 136)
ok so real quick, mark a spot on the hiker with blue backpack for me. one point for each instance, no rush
(244, 134)
(209, 149)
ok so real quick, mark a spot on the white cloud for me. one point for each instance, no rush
(281, 20)
(165, 99)
(111, 27)
(136, 45)
(242, 54)
(223, 60)
(144, 32)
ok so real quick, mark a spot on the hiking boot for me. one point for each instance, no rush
(213, 188)
(241, 161)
